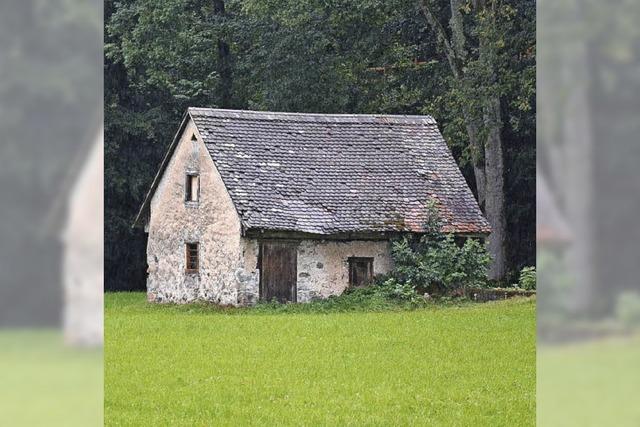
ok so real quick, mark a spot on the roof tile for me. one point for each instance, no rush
(337, 173)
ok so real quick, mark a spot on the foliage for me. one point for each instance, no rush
(185, 365)
(557, 287)
(508, 29)
(435, 262)
(441, 264)
(527, 279)
(384, 294)
(628, 308)
(403, 291)
(370, 298)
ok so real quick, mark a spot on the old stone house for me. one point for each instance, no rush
(254, 205)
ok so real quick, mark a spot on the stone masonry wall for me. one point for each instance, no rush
(323, 267)
(212, 222)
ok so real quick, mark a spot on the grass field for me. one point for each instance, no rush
(168, 365)
(45, 383)
(590, 384)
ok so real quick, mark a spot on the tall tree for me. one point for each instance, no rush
(472, 47)
(224, 58)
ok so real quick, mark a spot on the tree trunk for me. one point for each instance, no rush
(494, 208)
(578, 185)
(459, 52)
(488, 165)
(494, 194)
(458, 39)
(224, 61)
(478, 159)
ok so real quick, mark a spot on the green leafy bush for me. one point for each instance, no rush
(437, 263)
(389, 288)
(527, 279)
(384, 294)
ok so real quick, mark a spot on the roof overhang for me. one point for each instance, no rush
(351, 235)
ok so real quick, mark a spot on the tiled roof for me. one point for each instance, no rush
(334, 173)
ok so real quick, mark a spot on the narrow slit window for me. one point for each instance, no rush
(192, 188)
(192, 257)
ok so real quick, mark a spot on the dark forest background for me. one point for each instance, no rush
(325, 56)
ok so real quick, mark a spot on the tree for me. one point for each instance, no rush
(224, 58)
(474, 49)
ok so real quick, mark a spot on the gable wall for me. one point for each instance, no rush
(212, 222)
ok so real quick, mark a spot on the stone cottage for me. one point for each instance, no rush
(254, 205)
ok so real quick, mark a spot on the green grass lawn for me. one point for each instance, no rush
(197, 365)
(45, 383)
(590, 384)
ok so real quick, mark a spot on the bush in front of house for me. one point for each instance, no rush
(441, 264)
(432, 264)
(436, 263)
(527, 279)
(384, 294)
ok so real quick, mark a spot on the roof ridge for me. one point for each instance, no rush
(312, 117)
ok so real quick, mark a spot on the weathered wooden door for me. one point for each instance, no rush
(278, 271)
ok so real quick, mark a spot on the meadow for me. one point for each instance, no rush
(47, 383)
(590, 383)
(473, 364)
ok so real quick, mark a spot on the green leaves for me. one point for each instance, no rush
(527, 279)
(166, 47)
(437, 262)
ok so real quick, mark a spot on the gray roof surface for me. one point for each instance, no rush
(334, 173)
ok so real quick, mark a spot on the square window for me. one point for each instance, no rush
(360, 271)
(192, 257)
(192, 188)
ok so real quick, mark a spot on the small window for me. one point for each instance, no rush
(192, 188)
(360, 271)
(192, 257)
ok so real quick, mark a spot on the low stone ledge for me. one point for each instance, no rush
(494, 294)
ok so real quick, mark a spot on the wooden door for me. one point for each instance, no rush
(278, 271)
